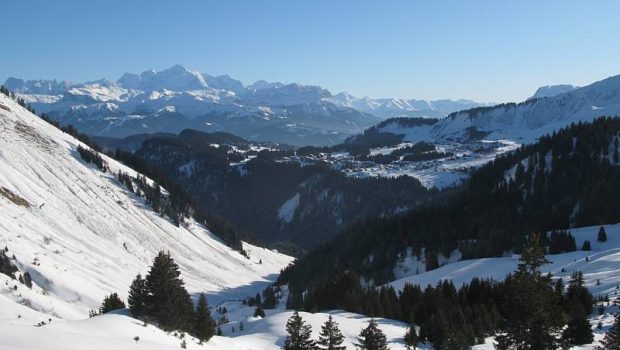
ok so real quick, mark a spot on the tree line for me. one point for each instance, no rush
(452, 318)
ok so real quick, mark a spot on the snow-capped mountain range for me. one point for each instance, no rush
(179, 98)
(552, 109)
(396, 107)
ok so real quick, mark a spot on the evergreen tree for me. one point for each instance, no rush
(612, 337)
(27, 279)
(204, 328)
(138, 295)
(295, 300)
(586, 246)
(579, 330)
(259, 312)
(372, 338)
(111, 302)
(411, 337)
(602, 235)
(168, 301)
(299, 334)
(269, 298)
(532, 257)
(330, 337)
(532, 316)
(578, 297)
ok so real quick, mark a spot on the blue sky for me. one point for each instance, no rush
(482, 50)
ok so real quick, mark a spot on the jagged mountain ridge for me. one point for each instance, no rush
(177, 98)
(396, 107)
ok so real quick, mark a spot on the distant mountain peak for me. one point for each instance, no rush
(263, 84)
(175, 78)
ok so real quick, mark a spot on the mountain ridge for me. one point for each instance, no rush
(290, 113)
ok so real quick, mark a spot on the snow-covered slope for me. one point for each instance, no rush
(81, 235)
(524, 122)
(118, 331)
(601, 272)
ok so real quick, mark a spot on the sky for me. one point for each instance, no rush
(485, 50)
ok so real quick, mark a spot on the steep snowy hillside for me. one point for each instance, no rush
(81, 235)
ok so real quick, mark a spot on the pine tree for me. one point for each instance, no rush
(168, 301)
(299, 334)
(411, 337)
(587, 246)
(204, 328)
(612, 337)
(533, 317)
(111, 302)
(602, 235)
(579, 330)
(138, 295)
(372, 338)
(330, 337)
(578, 295)
(259, 312)
(27, 280)
(269, 298)
(532, 257)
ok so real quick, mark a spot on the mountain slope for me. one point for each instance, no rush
(523, 122)
(82, 235)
